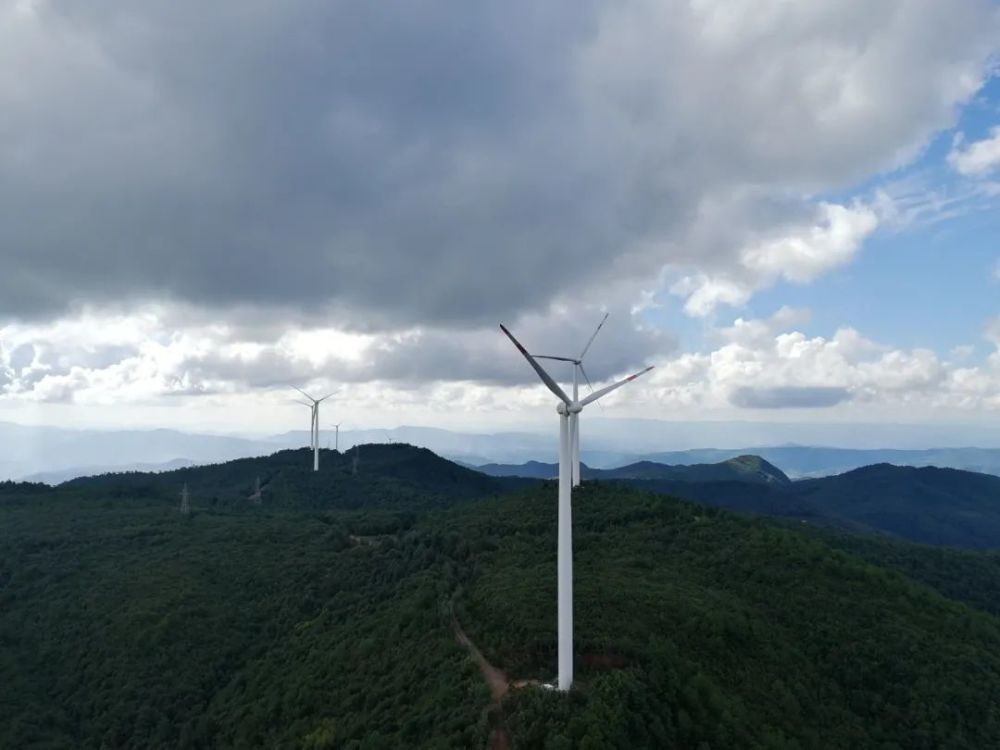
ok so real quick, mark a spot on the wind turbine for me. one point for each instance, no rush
(314, 423)
(574, 420)
(567, 409)
(336, 438)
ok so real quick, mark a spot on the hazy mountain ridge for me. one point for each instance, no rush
(809, 461)
(31, 451)
(66, 475)
(742, 468)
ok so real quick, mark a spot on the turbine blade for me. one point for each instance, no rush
(589, 384)
(593, 336)
(605, 391)
(303, 393)
(549, 382)
(549, 356)
(304, 403)
(326, 396)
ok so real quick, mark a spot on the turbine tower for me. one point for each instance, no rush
(336, 436)
(567, 409)
(313, 404)
(574, 420)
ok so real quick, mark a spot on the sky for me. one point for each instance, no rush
(790, 209)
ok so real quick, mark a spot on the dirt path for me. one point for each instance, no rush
(497, 682)
(495, 678)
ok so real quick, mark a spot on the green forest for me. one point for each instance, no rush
(323, 614)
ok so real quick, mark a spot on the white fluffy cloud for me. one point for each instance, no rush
(766, 364)
(758, 364)
(977, 158)
(798, 253)
(113, 357)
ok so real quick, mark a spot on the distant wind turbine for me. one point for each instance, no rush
(574, 420)
(567, 408)
(336, 436)
(313, 405)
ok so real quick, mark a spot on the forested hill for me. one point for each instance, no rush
(366, 476)
(126, 624)
(927, 505)
(931, 505)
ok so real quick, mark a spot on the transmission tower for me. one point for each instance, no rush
(256, 498)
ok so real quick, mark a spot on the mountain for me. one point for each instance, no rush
(533, 469)
(60, 453)
(926, 505)
(940, 506)
(744, 468)
(304, 624)
(738, 469)
(32, 450)
(930, 505)
(65, 475)
(373, 475)
(810, 461)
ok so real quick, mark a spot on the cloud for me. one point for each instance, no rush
(993, 331)
(978, 158)
(797, 397)
(428, 167)
(797, 253)
(767, 364)
(100, 357)
(752, 364)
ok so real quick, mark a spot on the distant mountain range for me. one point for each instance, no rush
(53, 454)
(927, 504)
(65, 475)
(809, 461)
(744, 468)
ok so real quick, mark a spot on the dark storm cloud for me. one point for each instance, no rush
(435, 163)
(343, 153)
(788, 397)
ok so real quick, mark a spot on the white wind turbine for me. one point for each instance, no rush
(574, 420)
(313, 405)
(567, 409)
(336, 434)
